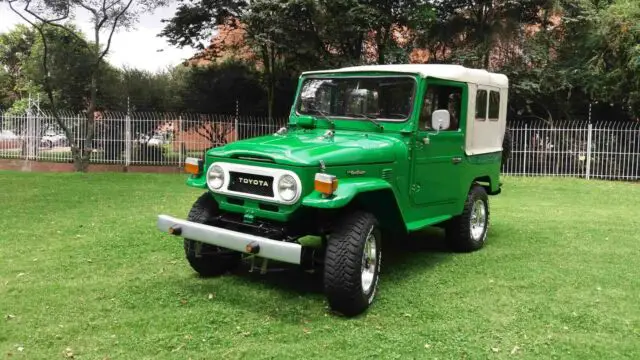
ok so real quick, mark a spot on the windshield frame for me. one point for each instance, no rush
(330, 76)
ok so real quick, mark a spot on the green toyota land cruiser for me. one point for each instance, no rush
(370, 153)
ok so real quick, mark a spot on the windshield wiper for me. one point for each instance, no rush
(370, 118)
(325, 117)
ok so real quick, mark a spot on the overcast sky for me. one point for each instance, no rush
(137, 48)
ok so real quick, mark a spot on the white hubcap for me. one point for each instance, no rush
(478, 220)
(369, 262)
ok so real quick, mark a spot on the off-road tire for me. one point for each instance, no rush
(213, 260)
(459, 230)
(343, 264)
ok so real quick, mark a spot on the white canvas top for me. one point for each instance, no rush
(440, 71)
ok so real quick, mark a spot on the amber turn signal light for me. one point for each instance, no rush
(193, 166)
(326, 184)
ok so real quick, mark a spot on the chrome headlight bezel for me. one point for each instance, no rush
(287, 188)
(215, 177)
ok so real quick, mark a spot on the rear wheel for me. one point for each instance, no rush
(352, 264)
(468, 231)
(208, 260)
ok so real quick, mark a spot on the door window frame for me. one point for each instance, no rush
(464, 104)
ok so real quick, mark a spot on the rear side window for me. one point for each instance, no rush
(481, 105)
(494, 106)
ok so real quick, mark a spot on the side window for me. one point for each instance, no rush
(441, 97)
(481, 105)
(494, 106)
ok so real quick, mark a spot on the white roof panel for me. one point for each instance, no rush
(441, 71)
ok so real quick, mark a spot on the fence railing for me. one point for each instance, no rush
(162, 139)
(603, 150)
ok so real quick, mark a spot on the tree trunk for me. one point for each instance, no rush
(382, 38)
(268, 56)
(487, 57)
(272, 82)
(381, 46)
(87, 149)
(82, 154)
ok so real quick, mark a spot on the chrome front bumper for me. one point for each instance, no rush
(232, 240)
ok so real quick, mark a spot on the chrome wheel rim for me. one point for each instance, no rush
(478, 220)
(369, 262)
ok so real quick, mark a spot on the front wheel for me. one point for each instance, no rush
(468, 231)
(352, 264)
(208, 260)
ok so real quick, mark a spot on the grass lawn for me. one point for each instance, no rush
(85, 274)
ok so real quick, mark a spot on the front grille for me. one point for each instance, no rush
(251, 184)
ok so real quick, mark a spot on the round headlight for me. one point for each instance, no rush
(287, 188)
(215, 177)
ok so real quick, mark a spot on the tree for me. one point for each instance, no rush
(559, 54)
(217, 87)
(609, 49)
(15, 50)
(288, 36)
(587, 56)
(6, 98)
(473, 29)
(107, 15)
(69, 68)
(194, 21)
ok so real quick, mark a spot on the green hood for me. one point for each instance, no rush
(307, 148)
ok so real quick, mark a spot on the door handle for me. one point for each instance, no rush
(456, 160)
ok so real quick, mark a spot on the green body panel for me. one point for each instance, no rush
(199, 182)
(347, 190)
(429, 181)
(252, 209)
(307, 147)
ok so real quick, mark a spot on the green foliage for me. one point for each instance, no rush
(15, 48)
(6, 88)
(214, 89)
(147, 91)
(194, 20)
(592, 58)
(612, 55)
(70, 65)
(15, 51)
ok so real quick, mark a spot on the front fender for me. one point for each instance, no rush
(347, 190)
(199, 182)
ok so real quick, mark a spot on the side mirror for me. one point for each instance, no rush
(440, 120)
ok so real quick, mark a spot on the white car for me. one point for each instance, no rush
(7, 135)
(51, 139)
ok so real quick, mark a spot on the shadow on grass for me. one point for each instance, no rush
(413, 254)
(290, 294)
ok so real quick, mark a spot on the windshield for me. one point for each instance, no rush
(385, 98)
